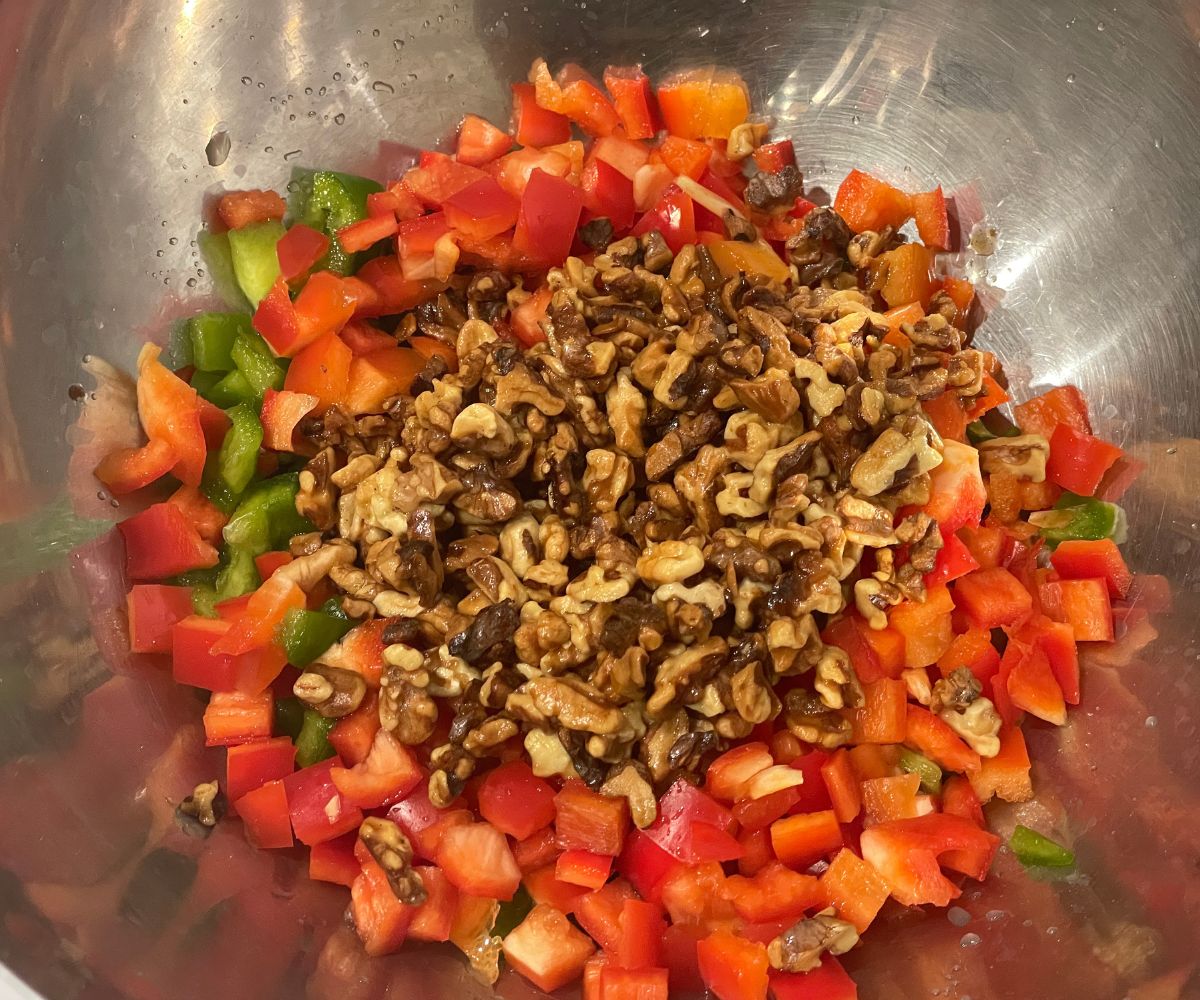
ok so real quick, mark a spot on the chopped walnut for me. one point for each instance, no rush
(393, 853)
(1023, 457)
(800, 947)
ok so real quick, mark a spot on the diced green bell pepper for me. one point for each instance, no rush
(266, 516)
(1080, 518)
(512, 912)
(289, 718)
(256, 363)
(255, 262)
(212, 337)
(230, 390)
(238, 457)
(993, 425)
(218, 259)
(328, 201)
(307, 634)
(205, 382)
(238, 575)
(1034, 850)
(312, 743)
(920, 765)
(204, 589)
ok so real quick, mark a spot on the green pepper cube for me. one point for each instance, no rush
(255, 262)
(312, 743)
(204, 382)
(329, 201)
(920, 765)
(289, 718)
(217, 254)
(1080, 518)
(238, 457)
(256, 363)
(266, 517)
(212, 336)
(238, 575)
(305, 635)
(1034, 850)
(231, 389)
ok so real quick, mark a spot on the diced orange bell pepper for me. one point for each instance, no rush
(800, 840)
(732, 967)
(380, 375)
(842, 784)
(926, 626)
(891, 798)
(880, 719)
(867, 203)
(704, 103)
(905, 275)
(733, 257)
(480, 142)
(993, 597)
(933, 224)
(937, 741)
(322, 369)
(854, 889)
(587, 820)
(1032, 688)
(947, 415)
(1007, 774)
(972, 649)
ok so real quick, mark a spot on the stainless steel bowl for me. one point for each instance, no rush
(1069, 127)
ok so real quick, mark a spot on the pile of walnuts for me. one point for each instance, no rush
(615, 545)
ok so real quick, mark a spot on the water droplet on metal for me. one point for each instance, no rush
(1070, 78)
(375, 33)
(1151, 721)
(246, 81)
(158, 253)
(397, 44)
(322, 92)
(261, 85)
(994, 915)
(970, 940)
(217, 150)
(855, 119)
(383, 87)
(337, 76)
(291, 154)
(1099, 25)
(174, 241)
(958, 916)
(76, 392)
(1158, 144)
(191, 282)
(268, 149)
(339, 119)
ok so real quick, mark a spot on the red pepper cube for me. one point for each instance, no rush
(434, 919)
(589, 821)
(264, 814)
(599, 913)
(1083, 560)
(645, 864)
(334, 860)
(367, 232)
(936, 740)
(633, 98)
(482, 209)
(642, 925)
(319, 812)
(607, 193)
(515, 801)
(854, 889)
(478, 861)
(232, 718)
(251, 765)
(299, 249)
(388, 773)
(154, 610)
(993, 597)
(547, 949)
(729, 773)
(800, 840)
(548, 218)
(382, 921)
(161, 542)
(828, 981)
(1083, 604)
(732, 967)
(480, 142)
(585, 868)
(534, 125)
(1078, 461)
(194, 663)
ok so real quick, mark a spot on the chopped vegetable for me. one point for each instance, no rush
(1034, 850)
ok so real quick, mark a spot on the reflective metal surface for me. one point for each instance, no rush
(1071, 128)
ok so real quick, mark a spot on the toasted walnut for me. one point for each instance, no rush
(630, 781)
(669, 562)
(571, 702)
(406, 708)
(835, 680)
(1023, 457)
(771, 395)
(206, 804)
(809, 720)
(307, 571)
(680, 669)
(607, 478)
(800, 947)
(752, 695)
(955, 691)
(708, 593)
(876, 469)
(744, 139)
(978, 724)
(331, 691)
(393, 853)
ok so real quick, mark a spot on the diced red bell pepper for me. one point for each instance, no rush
(547, 949)
(693, 894)
(534, 125)
(972, 649)
(231, 718)
(640, 931)
(587, 820)
(526, 318)
(1079, 461)
(482, 209)
(828, 981)
(1057, 641)
(645, 864)
(380, 919)
(1043, 414)
(926, 626)
(607, 193)
(933, 224)
(633, 99)
(703, 103)
(480, 142)
(194, 663)
(673, 215)
(624, 155)
(549, 215)
(396, 293)
(993, 597)
(732, 967)
(993, 395)
(577, 97)
(389, 772)
(513, 170)
(959, 799)
(154, 610)
(957, 494)
(728, 774)
(438, 177)
(854, 889)
(881, 718)
(867, 203)
(679, 956)
(515, 801)
(128, 469)
(354, 735)
(629, 984)
(319, 811)
(760, 813)
(1006, 775)
(169, 410)
(324, 305)
(367, 232)
(434, 918)
(260, 621)
(772, 157)
(906, 854)
(276, 320)
(1121, 475)
(583, 868)
(814, 797)
(937, 741)
(1083, 604)
(774, 893)
(477, 860)
(1032, 688)
(947, 415)
(842, 785)
(574, 152)
(800, 840)
(890, 798)
(243, 208)
(537, 850)
(544, 886)
(299, 249)
(281, 412)
(874, 653)
(264, 813)
(249, 765)
(424, 823)
(691, 827)
(334, 860)
(685, 156)
(376, 377)
(322, 369)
